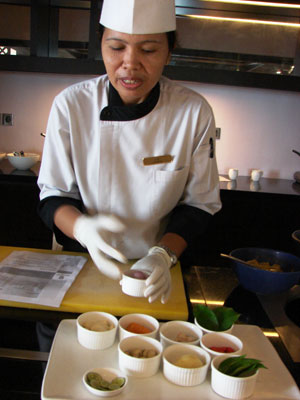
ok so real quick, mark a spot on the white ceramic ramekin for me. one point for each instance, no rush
(169, 332)
(93, 339)
(143, 319)
(221, 339)
(185, 376)
(139, 367)
(205, 330)
(133, 286)
(230, 386)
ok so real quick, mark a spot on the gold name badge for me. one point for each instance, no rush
(158, 160)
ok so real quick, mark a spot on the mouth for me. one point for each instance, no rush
(130, 83)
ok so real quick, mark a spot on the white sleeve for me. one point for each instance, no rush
(202, 189)
(57, 177)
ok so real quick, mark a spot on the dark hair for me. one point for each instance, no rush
(171, 37)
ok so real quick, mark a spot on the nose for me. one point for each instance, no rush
(131, 59)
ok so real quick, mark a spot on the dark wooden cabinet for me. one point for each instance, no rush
(263, 218)
(60, 36)
(20, 224)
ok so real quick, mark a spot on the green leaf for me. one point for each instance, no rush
(206, 317)
(226, 317)
(240, 366)
(216, 319)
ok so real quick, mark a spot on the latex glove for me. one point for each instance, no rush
(92, 233)
(157, 263)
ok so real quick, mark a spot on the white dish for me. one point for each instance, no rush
(140, 367)
(24, 162)
(170, 331)
(93, 339)
(231, 387)
(143, 319)
(182, 375)
(108, 374)
(64, 383)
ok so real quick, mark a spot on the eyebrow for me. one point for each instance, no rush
(141, 42)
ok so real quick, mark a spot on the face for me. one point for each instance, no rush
(134, 63)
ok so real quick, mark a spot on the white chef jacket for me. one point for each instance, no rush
(101, 162)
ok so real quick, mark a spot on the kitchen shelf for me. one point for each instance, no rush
(229, 63)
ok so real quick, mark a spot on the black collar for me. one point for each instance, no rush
(117, 111)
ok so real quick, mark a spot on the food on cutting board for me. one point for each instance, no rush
(240, 366)
(96, 381)
(222, 349)
(185, 337)
(189, 361)
(135, 327)
(215, 319)
(265, 265)
(100, 325)
(141, 353)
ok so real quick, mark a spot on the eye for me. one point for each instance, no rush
(148, 51)
(116, 48)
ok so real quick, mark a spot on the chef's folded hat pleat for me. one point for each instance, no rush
(139, 16)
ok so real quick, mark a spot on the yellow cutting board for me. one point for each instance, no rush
(91, 291)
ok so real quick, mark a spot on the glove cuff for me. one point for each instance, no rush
(79, 229)
(169, 256)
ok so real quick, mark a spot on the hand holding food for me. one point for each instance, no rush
(93, 232)
(157, 264)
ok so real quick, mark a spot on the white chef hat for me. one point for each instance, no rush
(139, 16)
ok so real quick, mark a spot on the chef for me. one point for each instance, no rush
(128, 168)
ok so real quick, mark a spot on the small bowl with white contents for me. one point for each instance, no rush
(96, 330)
(185, 365)
(174, 332)
(134, 283)
(104, 382)
(139, 356)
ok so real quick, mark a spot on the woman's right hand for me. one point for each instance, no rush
(92, 233)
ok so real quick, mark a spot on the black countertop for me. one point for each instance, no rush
(241, 184)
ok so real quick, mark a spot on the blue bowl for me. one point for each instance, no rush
(262, 281)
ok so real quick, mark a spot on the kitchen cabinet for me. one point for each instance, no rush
(261, 216)
(215, 45)
(20, 224)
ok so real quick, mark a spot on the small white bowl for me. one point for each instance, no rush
(2, 156)
(133, 286)
(185, 376)
(92, 339)
(221, 339)
(171, 333)
(23, 162)
(139, 367)
(108, 374)
(205, 330)
(230, 386)
(143, 319)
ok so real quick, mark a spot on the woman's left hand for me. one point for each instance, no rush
(157, 263)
